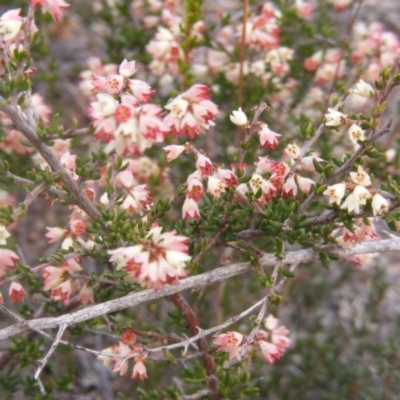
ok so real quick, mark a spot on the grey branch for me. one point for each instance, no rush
(29, 132)
(194, 282)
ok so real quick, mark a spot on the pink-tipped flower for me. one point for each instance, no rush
(54, 7)
(8, 259)
(194, 189)
(55, 234)
(229, 342)
(139, 371)
(16, 292)
(228, 177)
(268, 138)
(127, 68)
(203, 164)
(86, 295)
(269, 351)
(289, 188)
(190, 209)
(173, 151)
(304, 184)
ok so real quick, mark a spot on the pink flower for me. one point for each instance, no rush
(229, 342)
(137, 200)
(54, 7)
(127, 68)
(191, 112)
(267, 137)
(190, 209)
(269, 351)
(289, 188)
(8, 259)
(304, 184)
(203, 164)
(139, 371)
(228, 177)
(55, 234)
(173, 151)
(194, 189)
(128, 337)
(16, 292)
(159, 259)
(86, 295)
(78, 227)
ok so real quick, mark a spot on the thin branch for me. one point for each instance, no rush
(29, 132)
(198, 281)
(54, 345)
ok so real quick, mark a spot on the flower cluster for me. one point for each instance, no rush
(272, 342)
(119, 116)
(158, 260)
(125, 348)
(359, 195)
(64, 281)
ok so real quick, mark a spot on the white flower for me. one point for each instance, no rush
(356, 199)
(335, 193)
(238, 117)
(3, 234)
(356, 134)
(334, 118)
(379, 205)
(363, 89)
(360, 177)
(292, 151)
(215, 186)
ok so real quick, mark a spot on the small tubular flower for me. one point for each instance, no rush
(379, 205)
(363, 89)
(190, 209)
(335, 193)
(268, 137)
(356, 199)
(356, 134)
(216, 186)
(8, 259)
(239, 118)
(16, 292)
(229, 342)
(360, 177)
(292, 151)
(173, 151)
(335, 118)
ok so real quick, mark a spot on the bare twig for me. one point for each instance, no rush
(54, 345)
(198, 281)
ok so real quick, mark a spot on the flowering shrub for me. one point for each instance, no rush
(229, 153)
